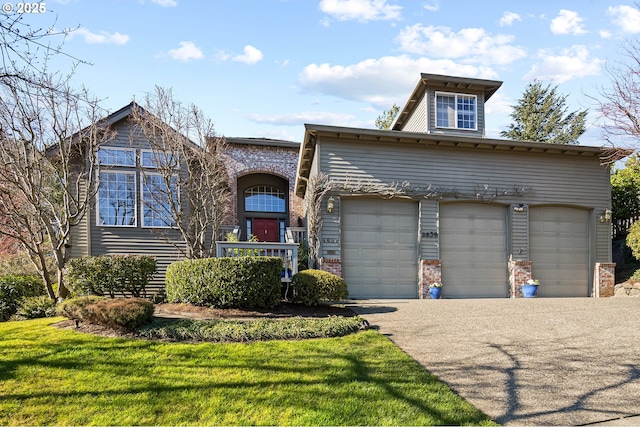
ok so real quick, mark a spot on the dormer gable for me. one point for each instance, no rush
(447, 105)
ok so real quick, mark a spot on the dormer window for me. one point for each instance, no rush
(456, 111)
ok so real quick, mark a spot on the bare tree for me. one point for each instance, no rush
(49, 136)
(621, 101)
(185, 179)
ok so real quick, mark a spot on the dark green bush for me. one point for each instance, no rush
(243, 282)
(110, 275)
(125, 314)
(14, 288)
(36, 307)
(312, 286)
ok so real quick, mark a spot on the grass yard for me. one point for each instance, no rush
(50, 376)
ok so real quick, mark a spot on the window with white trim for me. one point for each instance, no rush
(263, 198)
(117, 157)
(153, 159)
(156, 200)
(456, 111)
(117, 199)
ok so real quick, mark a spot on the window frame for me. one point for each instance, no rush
(130, 150)
(101, 172)
(279, 191)
(143, 175)
(456, 111)
(147, 151)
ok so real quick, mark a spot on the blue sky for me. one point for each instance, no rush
(263, 68)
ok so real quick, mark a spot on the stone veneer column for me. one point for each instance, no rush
(519, 273)
(332, 265)
(604, 279)
(430, 272)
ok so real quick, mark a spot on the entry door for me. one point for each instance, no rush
(266, 230)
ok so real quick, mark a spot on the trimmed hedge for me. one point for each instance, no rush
(312, 286)
(124, 314)
(243, 282)
(14, 288)
(111, 274)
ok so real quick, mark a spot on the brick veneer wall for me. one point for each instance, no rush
(430, 272)
(245, 159)
(332, 265)
(605, 279)
(519, 273)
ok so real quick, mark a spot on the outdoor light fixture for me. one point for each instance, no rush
(518, 208)
(330, 203)
(606, 216)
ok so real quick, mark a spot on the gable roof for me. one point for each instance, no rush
(372, 136)
(449, 83)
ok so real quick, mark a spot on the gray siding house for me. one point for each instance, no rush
(433, 200)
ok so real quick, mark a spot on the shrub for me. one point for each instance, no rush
(633, 239)
(110, 274)
(244, 282)
(13, 288)
(312, 286)
(125, 314)
(36, 307)
(216, 330)
(76, 308)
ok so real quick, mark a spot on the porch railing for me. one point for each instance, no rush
(288, 252)
(296, 234)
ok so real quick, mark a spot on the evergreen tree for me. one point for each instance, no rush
(385, 120)
(541, 116)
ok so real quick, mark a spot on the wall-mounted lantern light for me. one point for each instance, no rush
(605, 216)
(330, 204)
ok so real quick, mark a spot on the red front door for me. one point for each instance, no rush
(266, 230)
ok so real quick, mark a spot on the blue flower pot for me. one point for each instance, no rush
(529, 291)
(435, 293)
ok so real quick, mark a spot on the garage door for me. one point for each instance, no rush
(473, 250)
(379, 248)
(559, 250)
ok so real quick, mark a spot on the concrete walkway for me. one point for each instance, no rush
(542, 361)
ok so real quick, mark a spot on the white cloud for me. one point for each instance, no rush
(570, 64)
(165, 3)
(296, 119)
(473, 45)
(382, 81)
(186, 52)
(361, 10)
(251, 55)
(567, 22)
(102, 38)
(433, 7)
(605, 34)
(508, 18)
(626, 17)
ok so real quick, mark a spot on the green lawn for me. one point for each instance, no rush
(61, 377)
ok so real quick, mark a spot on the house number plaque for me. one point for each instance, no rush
(430, 234)
(330, 240)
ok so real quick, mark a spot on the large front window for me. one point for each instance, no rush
(263, 198)
(117, 199)
(157, 210)
(456, 111)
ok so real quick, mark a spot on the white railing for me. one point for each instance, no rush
(296, 234)
(288, 252)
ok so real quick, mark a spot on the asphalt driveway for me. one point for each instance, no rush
(542, 361)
